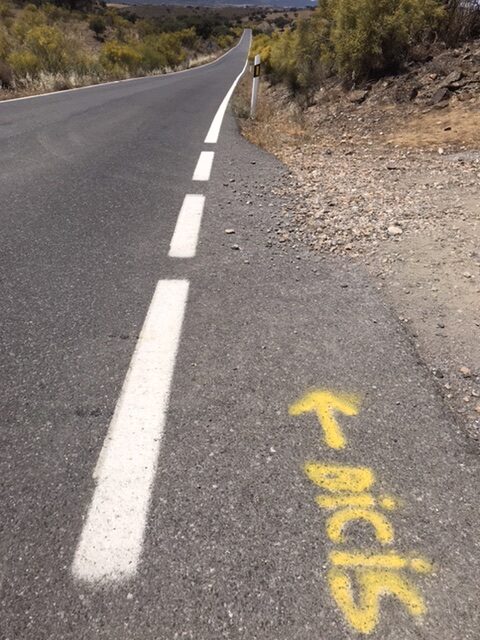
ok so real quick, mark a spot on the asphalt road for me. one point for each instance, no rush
(205, 454)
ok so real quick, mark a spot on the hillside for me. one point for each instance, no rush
(52, 47)
(277, 4)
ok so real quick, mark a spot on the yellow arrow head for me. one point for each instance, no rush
(324, 403)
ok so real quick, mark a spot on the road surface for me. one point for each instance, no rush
(205, 434)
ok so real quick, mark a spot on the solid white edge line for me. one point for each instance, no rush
(185, 236)
(111, 82)
(204, 166)
(214, 131)
(111, 541)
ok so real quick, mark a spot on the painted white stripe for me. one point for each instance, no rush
(185, 236)
(112, 538)
(204, 166)
(106, 84)
(214, 131)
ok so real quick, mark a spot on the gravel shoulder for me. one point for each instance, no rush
(394, 184)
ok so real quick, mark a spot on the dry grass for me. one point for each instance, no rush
(458, 125)
(278, 124)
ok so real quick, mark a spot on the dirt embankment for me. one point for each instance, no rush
(390, 175)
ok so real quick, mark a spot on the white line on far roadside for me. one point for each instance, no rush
(204, 166)
(185, 236)
(214, 131)
(111, 542)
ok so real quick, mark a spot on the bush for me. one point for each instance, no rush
(370, 37)
(49, 46)
(98, 25)
(6, 11)
(462, 21)
(295, 56)
(117, 54)
(27, 19)
(224, 42)
(24, 64)
(123, 28)
(152, 56)
(356, 39)
(5, 42)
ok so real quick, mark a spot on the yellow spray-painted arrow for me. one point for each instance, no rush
(324, 403)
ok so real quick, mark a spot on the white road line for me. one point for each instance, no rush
(185, 236)
(214, 131)
(111, 82)
(204, 166)
(112, 538)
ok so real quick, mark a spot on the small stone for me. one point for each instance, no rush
(229, 231)
(442, 94)
(441, 151)
(466, 372)
(452, 78)
(358, 96)
(477, 407)
(395, 230)
(235, 247)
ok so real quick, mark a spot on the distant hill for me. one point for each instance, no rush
(276, 4)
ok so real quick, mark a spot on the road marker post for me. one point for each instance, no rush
(256, 82)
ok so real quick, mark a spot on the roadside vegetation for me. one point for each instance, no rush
(46, 46)
(357, 40)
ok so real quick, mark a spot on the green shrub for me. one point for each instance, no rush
(310, 54)
(370, 37)
(49, 46)
(24, 64)
(55, 13)
(5, 42)
(123, 28)
(170, 45)
(27, 19)
(262, 45)
(355, 38)
(224, 42)
(97, 24)
(152, 57)
(117, 54)
(6, 11)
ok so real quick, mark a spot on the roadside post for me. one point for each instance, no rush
(256, 82)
